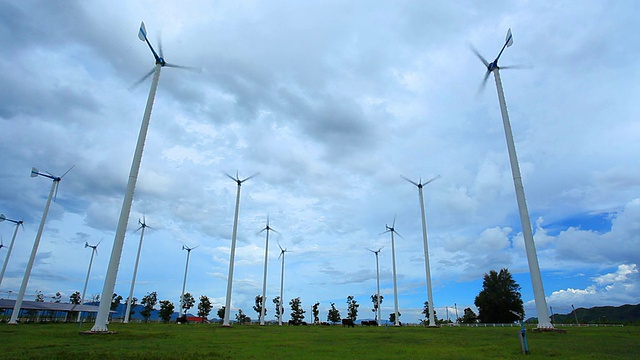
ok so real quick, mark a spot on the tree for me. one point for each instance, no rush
(425, 312)
(315, 312)
(500, 296)
(279, 308)
(241, 318)
(57, 297)
(374, 299)
(258, 308)
(297, 314)
(115, 301)
(469, 317)
(334, 314)
(352, 308)
(187, 302)
(39, 296)
(392, 317)
(134, 302)
(75, 298)
(221, 313)
(149, 301)
(204, 308)
(166, 310)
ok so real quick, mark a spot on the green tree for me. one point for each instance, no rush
(134, 302)
(499, 296)
(258, 307)
(39, 296)
(374, 299)
(315, 312)
(392, 317)
(149, 301)
(75, 298)
(57, 297)
(166, 310)
(115, 301)
(204, 308)
(187, 302)
(469, 317)
(334, 314)
(297, 314)
(425, 312)
(279, 308)
(241, 318)
(221, 313)
(352, 308)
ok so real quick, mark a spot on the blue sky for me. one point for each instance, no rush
(331, 101)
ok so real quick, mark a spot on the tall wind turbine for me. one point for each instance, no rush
(94, 250)
(184, 282)
(27, 272)
(420, 185)
(13, 239)
(143, 226)
(534, 269)
(378, 284)
(282, 252)
(102, 317)
(391, 229)
(227, 309)
(264, 280)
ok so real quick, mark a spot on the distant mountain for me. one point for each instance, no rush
(625, 314)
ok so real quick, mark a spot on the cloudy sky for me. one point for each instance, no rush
(331, 102)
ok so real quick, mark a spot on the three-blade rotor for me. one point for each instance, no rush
(420, 184)
(35, 173)
(237, 178)
(392, 228)
(491, 66)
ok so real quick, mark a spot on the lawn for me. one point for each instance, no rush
(195, 341)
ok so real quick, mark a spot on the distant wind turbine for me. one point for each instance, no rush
(391, 229)
(544, 321)
(378, 284)
(227, 309)
(94, 250)
(102, 317)
(420, 185)
(13, 239)
(27, 272)
(184, 282)
(264, 280)
(282, 252)
(143, 226)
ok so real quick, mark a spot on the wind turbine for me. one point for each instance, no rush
(143, 226)
(282, 252)
(527, 232)
(377, 283)
(391, 229)
(27, 272)
(13, 239)
(227, 309)
(264, 280)
(94, 250)
(184, 282)
(102, 317)
(420, 185)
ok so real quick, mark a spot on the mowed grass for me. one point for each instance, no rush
(207, 341)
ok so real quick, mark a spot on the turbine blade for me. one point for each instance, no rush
(413, 182)
(517, 66)
(142, 79)
(483, 84)
(55, 197)
(142, 33)
(67, 171)
(435, 178)
(191, 68)
(231, 177)
(160, 45)
(509, 38)
(397, 233)
(252, 176)
(393, 225)
(475, 51)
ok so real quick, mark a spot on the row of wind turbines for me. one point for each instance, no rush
(101, 322)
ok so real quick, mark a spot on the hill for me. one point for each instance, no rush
(625, 314)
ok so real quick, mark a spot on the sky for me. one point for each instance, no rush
(331, 102)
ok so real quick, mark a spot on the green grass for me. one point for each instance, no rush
(195, 341)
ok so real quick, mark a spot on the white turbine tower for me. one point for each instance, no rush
(227, 309)
(420, 185)
(94, 250)
(378, 284)
(264, 280)
(102, 317)
(143, 226)
(282, 252)
(391, 229)
(27, 272)
(184, 282)
(527, 232)
(13, 239)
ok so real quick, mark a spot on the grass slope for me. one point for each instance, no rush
(198, 341)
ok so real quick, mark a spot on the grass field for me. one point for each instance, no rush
(200, 341)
